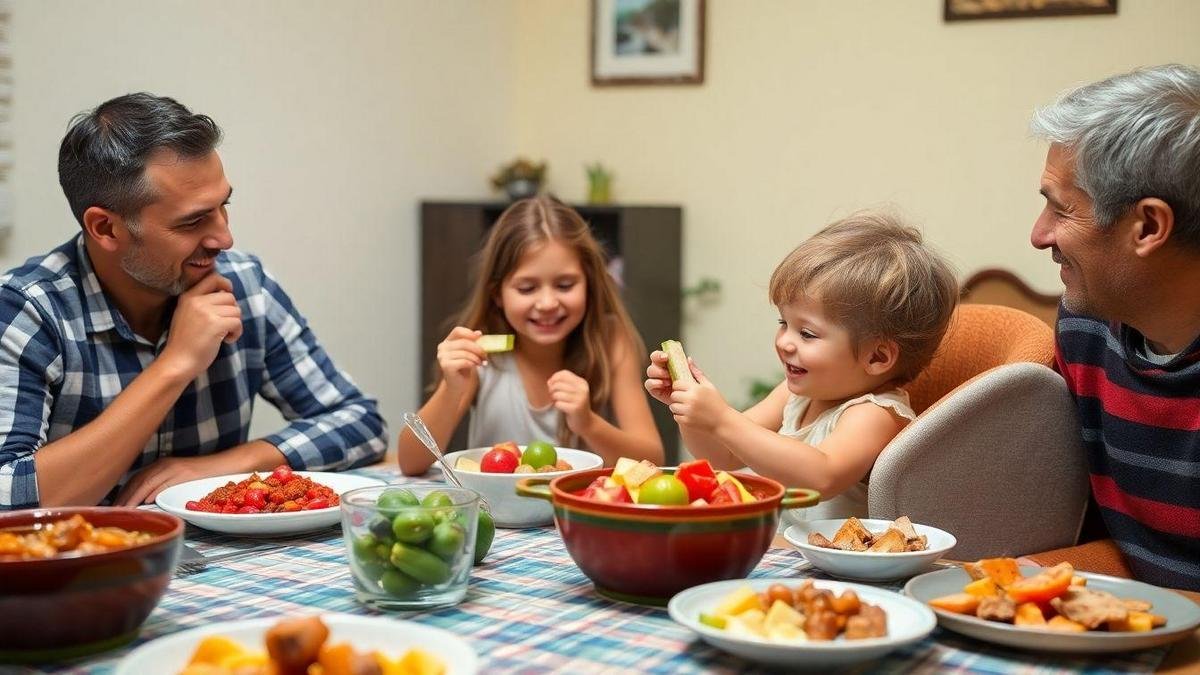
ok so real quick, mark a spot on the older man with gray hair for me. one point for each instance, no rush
(1122, 219)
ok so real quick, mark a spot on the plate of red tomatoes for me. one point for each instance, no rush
(277, 503)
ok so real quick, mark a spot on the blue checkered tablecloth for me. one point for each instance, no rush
(530, 610)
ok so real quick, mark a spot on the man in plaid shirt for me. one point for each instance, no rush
(131, 355)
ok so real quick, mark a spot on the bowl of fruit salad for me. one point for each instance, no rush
(493, 472)
(643, 533)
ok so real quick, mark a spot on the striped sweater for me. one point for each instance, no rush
(1141, 429)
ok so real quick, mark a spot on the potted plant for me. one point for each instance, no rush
(520, 178)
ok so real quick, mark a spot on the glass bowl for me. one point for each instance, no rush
(410, 547)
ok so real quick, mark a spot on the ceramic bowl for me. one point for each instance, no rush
(866, 565)
(509, 510)
(645, 554)
(58, 608)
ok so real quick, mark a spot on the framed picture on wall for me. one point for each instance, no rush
(647, 42)
(962, 10)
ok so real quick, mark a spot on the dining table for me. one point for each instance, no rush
(529, 609)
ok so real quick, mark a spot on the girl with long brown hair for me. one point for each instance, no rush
(575, 372)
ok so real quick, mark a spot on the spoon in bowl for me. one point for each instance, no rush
(414, 422)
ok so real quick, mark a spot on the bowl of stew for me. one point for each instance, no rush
(80, 580)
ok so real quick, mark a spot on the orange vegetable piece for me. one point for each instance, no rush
(1063, 623)
(1029, 614)
(1043, 586)
(983, 588)
(959, 603)
(1003, 571)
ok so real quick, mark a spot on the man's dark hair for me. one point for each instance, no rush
(102, 159)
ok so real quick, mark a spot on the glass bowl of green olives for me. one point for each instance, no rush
(412, 547)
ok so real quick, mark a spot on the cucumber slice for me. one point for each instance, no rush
(677, 362)
(496, 343)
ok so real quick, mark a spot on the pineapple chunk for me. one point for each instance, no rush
(785, 632)
(781, 613)
(753, 619)
(739, 601)
(622, 467)
(466, 464)
(735, 626)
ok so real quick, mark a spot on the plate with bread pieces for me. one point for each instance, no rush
(866, 549)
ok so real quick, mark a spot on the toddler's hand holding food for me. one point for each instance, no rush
(698, 405)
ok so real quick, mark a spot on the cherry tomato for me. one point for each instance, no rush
(498, 461)
(282, 473)
(314, 504)
(193, 506)
(247, 509)
(256, 498)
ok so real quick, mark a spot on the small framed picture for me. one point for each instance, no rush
(647, 42)
(962, 10)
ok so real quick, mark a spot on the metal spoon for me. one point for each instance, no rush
(422, 433)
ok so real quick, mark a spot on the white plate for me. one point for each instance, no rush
(500, 489)
(864, 566)
(1183, 615)
(392, 637)
(174, 499)
(908, 621)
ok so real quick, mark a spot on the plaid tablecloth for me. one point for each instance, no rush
(530, 610)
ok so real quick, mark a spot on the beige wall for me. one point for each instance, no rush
(338, 117)
(814, 108)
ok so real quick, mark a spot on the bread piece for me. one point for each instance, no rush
(891, 541)
(906, 528)
(852, 536)
(818, 539)
(918, 544)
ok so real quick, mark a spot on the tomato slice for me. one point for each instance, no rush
(726, 493)
(699, 478)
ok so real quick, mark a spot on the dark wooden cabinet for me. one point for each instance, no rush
(643, 244)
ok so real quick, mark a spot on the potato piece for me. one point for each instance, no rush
(959, 603)
(1029, 614)
(1064, 624)
(295, 644)
(214, 650)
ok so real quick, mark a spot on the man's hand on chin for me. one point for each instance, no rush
(162, 474)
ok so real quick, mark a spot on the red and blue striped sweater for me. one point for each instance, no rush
(1141, 428)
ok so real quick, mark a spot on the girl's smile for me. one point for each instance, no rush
(545, 297)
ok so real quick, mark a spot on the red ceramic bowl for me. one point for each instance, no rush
(646, 554)
(61, 608)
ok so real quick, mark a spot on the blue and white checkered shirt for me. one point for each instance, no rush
(66, 353)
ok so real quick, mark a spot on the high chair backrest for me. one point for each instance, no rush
(981, 337)
(995, 456)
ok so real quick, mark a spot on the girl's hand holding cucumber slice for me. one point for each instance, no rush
(463, 351)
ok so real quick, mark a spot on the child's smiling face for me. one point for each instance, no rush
(545, 296)
(818, 354)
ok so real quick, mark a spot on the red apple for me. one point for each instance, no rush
(499, 461)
